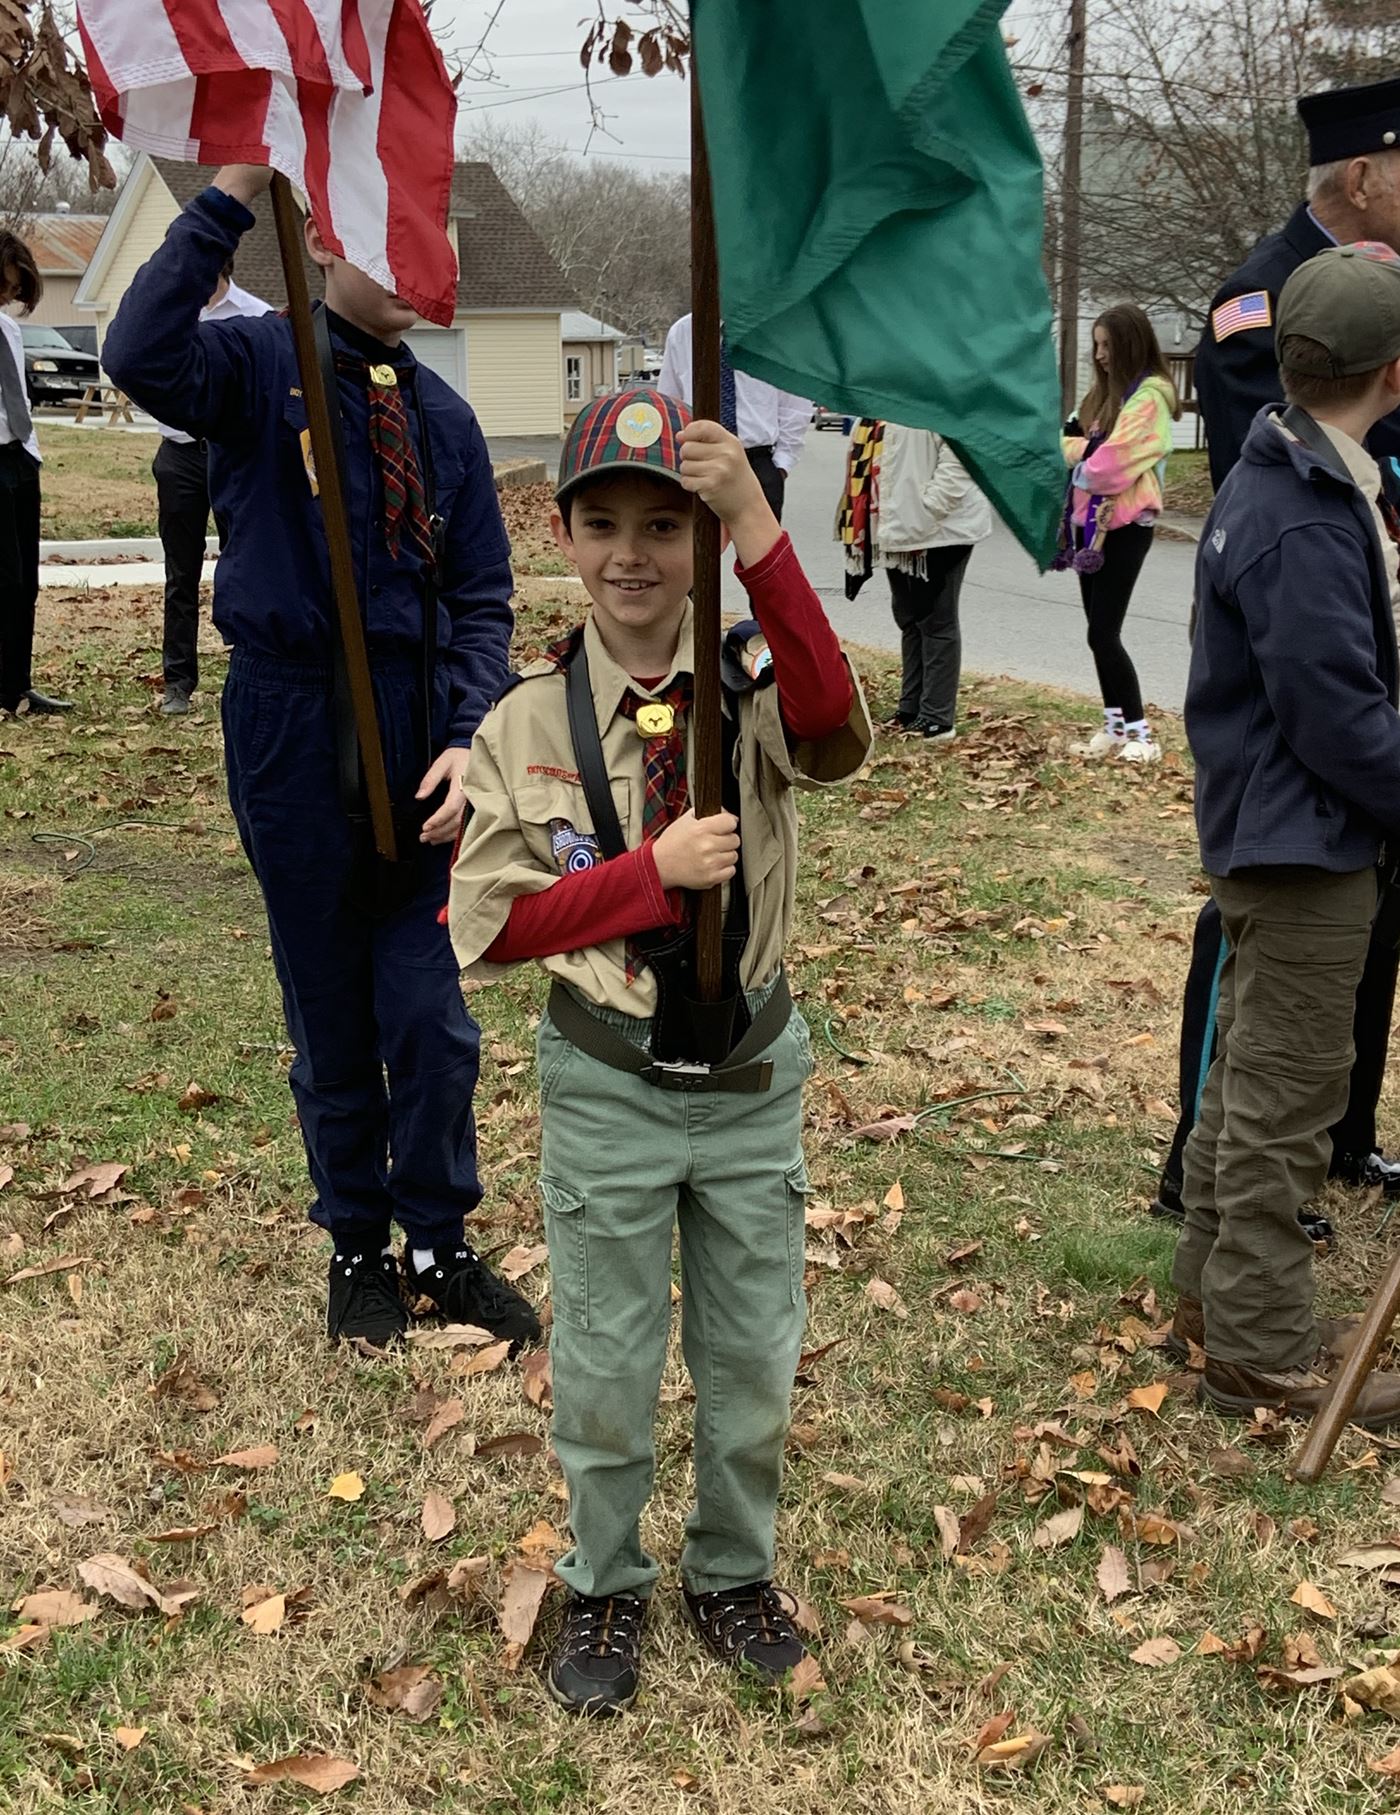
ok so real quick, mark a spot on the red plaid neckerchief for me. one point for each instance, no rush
(405, 501)
(667, 785)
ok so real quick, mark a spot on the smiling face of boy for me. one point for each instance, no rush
(630, 536)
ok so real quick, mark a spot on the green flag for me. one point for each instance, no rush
(878, 208)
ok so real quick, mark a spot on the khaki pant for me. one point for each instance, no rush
(1261, 1148)
(621, 1163)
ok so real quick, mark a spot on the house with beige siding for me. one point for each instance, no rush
(593, 359)
(502, 349)
(63, 244)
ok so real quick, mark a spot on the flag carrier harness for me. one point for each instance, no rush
(695, 1046)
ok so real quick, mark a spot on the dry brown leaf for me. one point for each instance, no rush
(411, 1689)
(1370, 1556)
(851, 1484)
(1060, 1529)
(195, 1097)
(949, 1529)
(439, 1516)
(881, 1293)
(1389, 1766)
(1156, 1652)
(485, 1361)
(523, 1589)
(537, 1378)
(179, 1381)
(894, 1197)
(262, 1457)
(93, 1181)
(74, 1510)
(1390, 1491)
(451, 1336)
(1124, 1795)
(348, 1486)
(316, 1771)
(994, 1729)
(510, 1443)
(27, 1638)
(542, 1544)
(1016, 1754)
(55, 1607)
(1307, 1595)
(805, 1680)
(965, 1301)
(1211, 1645)
(448, 1415)
(50, 1266)
(889, 1129)
(522, 1260)
(1112, 1573)
(124, 1583)
(182, 1534)
(264, 1611)
(879, 1610)
(129, 1738)
(1378, 1688)
(1149, 1398)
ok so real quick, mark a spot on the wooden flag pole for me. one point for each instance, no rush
(706, 779)
(330, 485)
(1333, 1415)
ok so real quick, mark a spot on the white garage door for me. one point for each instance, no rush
(444, 351)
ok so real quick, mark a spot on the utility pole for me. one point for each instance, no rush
(1071, 209)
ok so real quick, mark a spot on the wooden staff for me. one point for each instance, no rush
(706, 745)
(1335, 1411)
(330, 484)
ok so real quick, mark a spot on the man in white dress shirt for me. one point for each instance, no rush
(181, 469)
(772, 424)
(19, 492)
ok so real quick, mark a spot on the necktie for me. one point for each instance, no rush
(667, 787)
(405, 501)
(12, 395)
(728, 390)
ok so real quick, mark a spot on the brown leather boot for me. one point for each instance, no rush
(1335, 1334)
(1236, 1389)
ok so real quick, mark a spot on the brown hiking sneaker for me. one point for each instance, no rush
(1335, 1334)
(1237, 1390)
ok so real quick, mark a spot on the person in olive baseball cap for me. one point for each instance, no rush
(1339, 315)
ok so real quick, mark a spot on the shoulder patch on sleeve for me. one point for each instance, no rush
(1255, 309)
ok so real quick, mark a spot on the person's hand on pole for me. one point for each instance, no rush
(698, 853)
(245, 182)
(441, 825)
(714, 464)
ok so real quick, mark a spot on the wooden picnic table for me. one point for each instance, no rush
(105, 396)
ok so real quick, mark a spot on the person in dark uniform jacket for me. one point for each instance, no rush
(1353, 194)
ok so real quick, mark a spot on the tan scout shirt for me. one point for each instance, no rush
(1367, 475)
(523, 775)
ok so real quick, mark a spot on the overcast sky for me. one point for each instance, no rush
(534, 48)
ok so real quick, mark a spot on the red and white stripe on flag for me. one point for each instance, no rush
(349, 99)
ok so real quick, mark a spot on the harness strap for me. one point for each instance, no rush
(742, 1073)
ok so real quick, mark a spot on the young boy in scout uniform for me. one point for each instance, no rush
(579, 851)
(386, 1054)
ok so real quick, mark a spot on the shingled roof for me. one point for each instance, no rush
(504, 264)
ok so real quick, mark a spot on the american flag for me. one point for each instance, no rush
(349, 99)
(1252, 311)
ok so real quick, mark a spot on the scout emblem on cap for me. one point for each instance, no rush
(639, 426)
(573, 850)
(655, 720)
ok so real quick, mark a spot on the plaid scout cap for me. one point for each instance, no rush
(1346, 300)
(638, 430)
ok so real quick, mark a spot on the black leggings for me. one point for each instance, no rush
(1106, 595)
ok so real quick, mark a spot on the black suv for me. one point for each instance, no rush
(54, 370)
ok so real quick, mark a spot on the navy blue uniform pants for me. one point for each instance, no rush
(386, 1052)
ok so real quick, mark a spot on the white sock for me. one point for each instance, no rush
(387, 1251)
(1113, 720)
(423, 1259)
(1139, 730)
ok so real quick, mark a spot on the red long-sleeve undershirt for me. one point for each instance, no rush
(622, 897)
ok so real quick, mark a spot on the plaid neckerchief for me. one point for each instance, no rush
(667, 786)
(405, 501)
(858, 511)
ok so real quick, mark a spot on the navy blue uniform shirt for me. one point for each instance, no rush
(1237, 376)
(236, 384)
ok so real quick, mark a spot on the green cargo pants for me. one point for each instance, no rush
(621, 1162)
(1260, 1149)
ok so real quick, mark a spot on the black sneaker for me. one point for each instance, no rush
(1167, 1202)
(749, 1625)
(364, 1300)
(465, 1290)
(595, 1666)
(1367, 1170)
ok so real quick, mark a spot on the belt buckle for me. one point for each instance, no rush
(680, 1074)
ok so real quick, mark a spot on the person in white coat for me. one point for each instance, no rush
(923, 519)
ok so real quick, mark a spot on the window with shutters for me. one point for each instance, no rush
(573, 378)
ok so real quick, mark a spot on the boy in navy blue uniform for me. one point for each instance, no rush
(1291, 713)
(386, 1053)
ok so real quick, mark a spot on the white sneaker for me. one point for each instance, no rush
(1140, 750)
(1102, 743)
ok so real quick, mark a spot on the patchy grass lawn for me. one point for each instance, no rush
(95, 482)
(1188, 487)
(989, 953)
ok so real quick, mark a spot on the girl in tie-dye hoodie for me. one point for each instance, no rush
(1116, 447)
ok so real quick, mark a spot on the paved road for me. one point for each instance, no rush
(1015, 621)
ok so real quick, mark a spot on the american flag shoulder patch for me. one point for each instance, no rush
(1254, 310)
